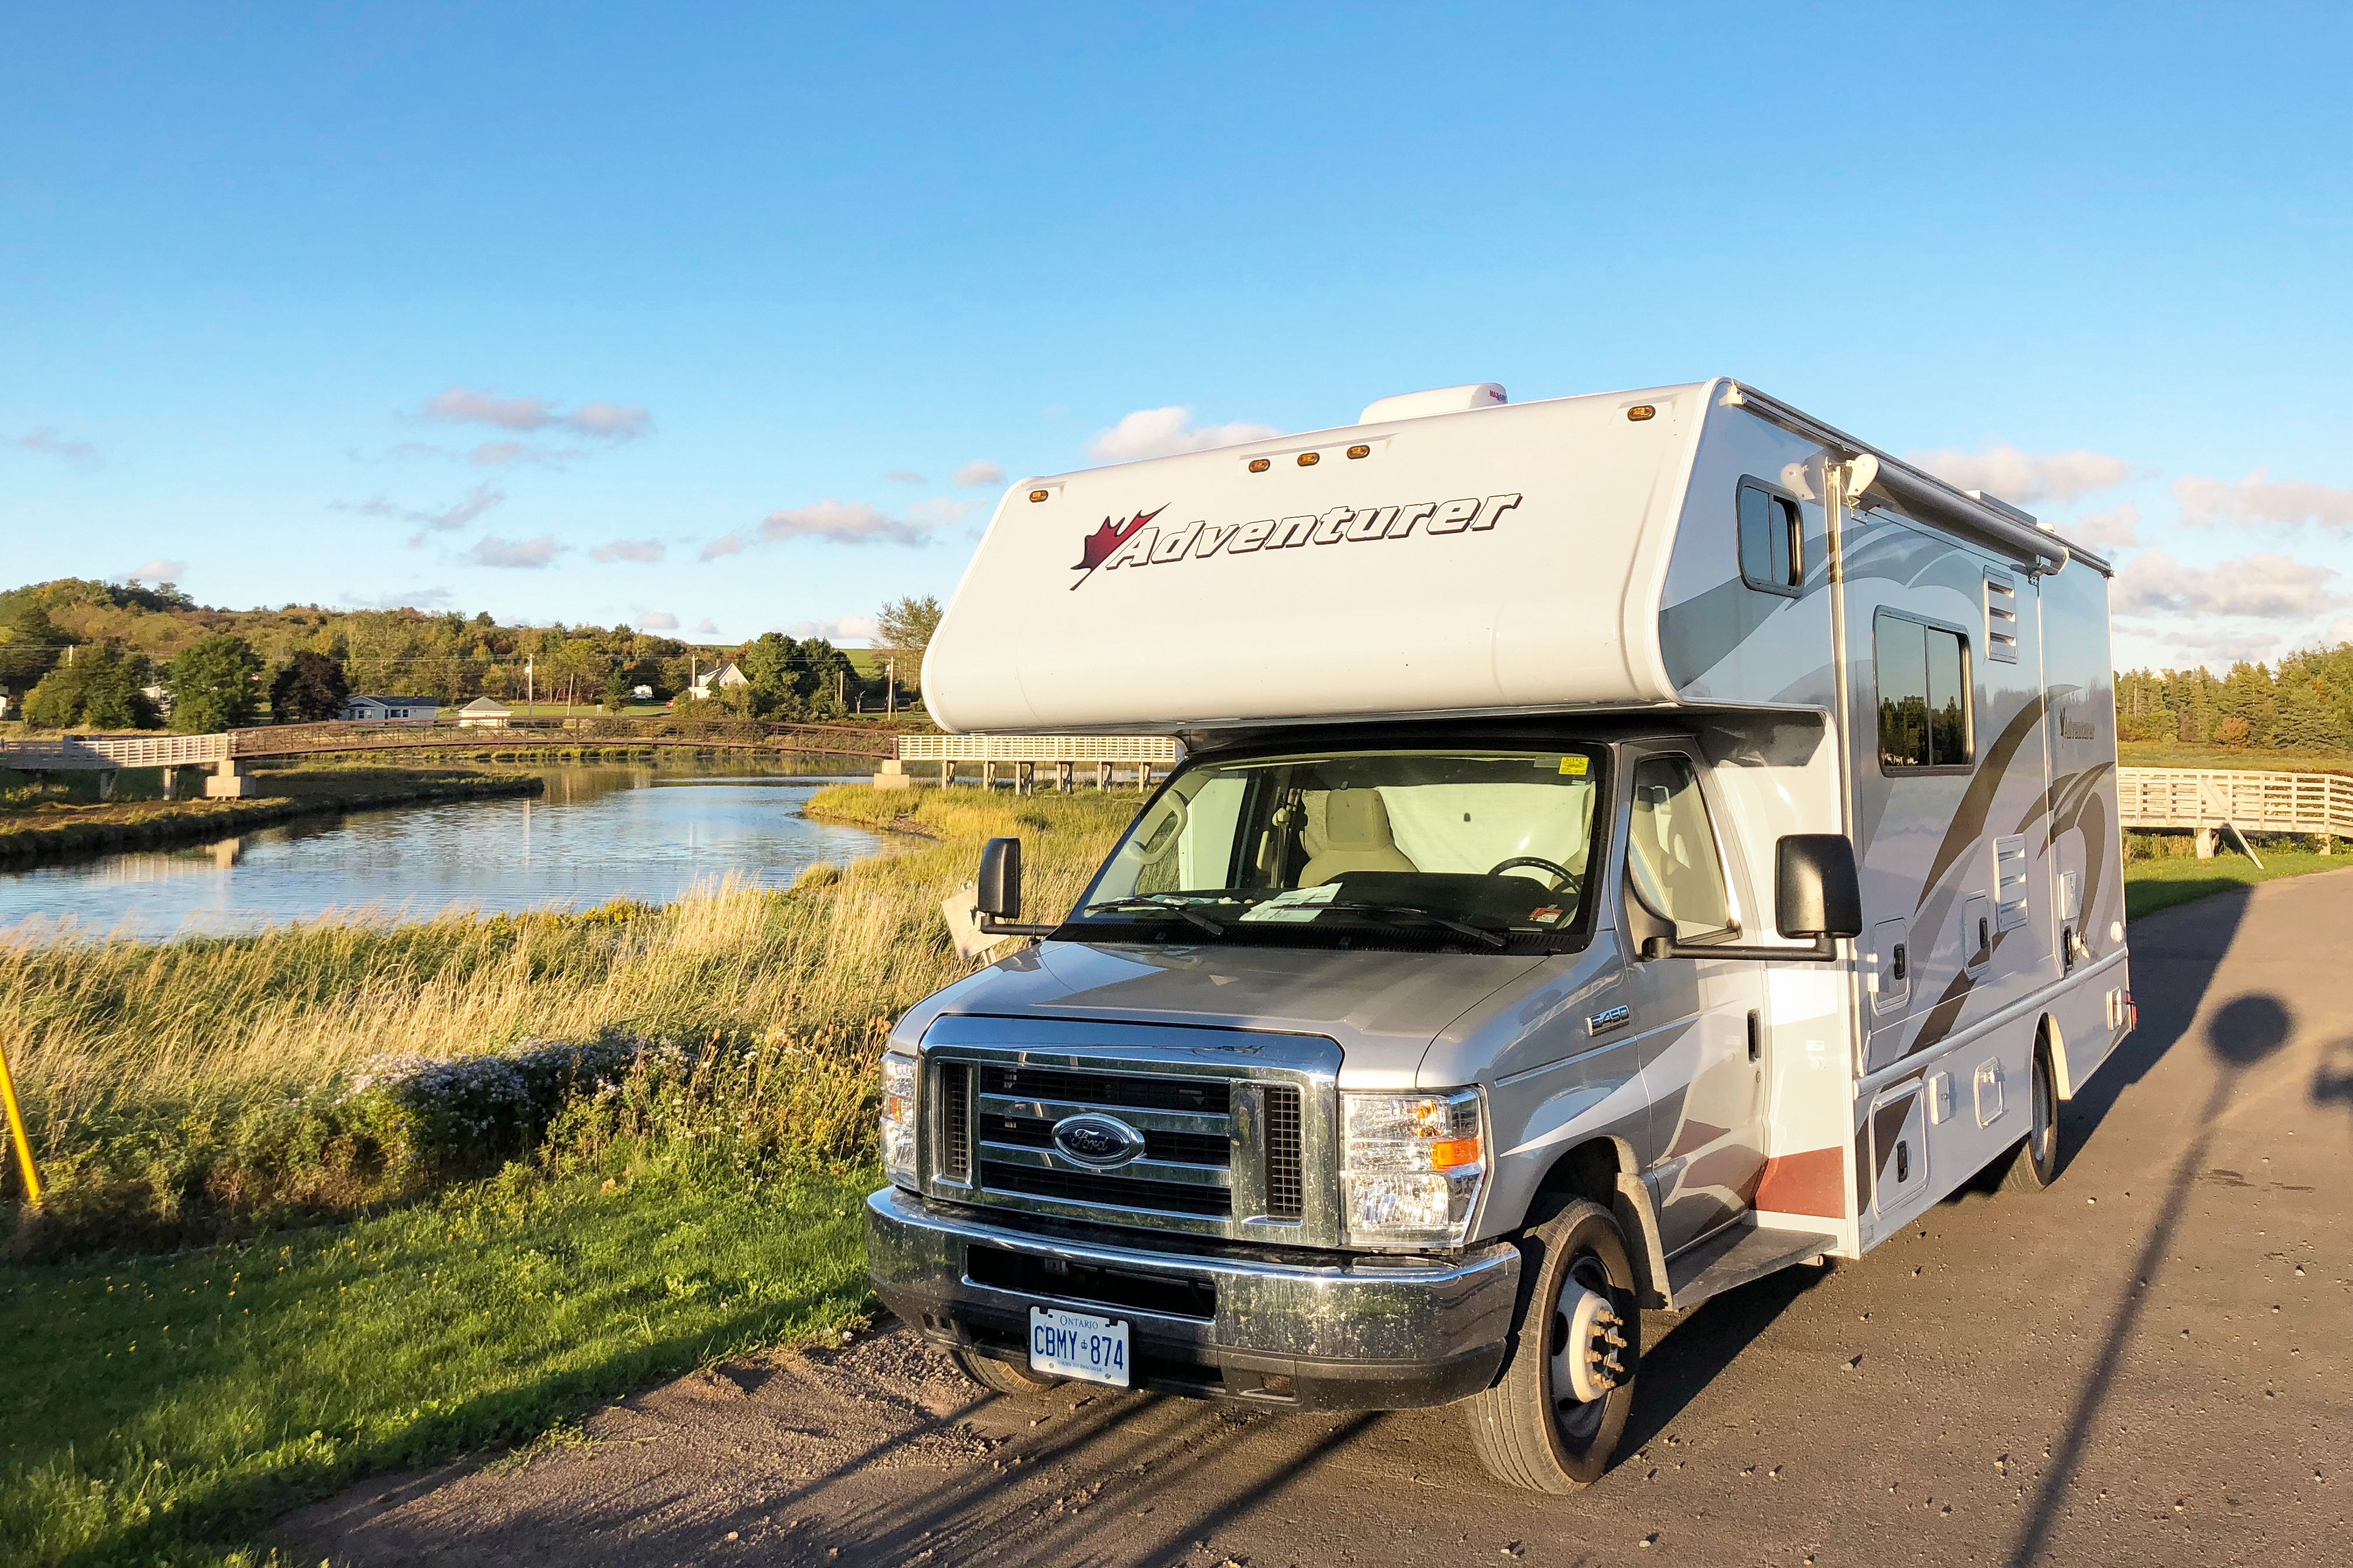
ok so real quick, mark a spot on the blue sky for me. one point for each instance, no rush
(681, 315)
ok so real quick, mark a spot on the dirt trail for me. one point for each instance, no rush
(2150, 1364)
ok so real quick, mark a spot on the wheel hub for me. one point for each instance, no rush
(1586, 1365)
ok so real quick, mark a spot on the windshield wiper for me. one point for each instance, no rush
(1187, 911)
(1416, 912)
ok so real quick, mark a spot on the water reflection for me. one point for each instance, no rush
(599, 833)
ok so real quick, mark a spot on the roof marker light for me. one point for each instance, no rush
(1360, 451)
(1641, 411)
(1260, 465)
(1037, 495)
(1309, 460)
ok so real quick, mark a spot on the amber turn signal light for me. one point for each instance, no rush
(1641, 411)
(1360, 451)
(1037, 495)
(1309, 460)
(1260, 465)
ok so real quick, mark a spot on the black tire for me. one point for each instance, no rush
(1523, 1431)
(2035, 1163)
(1002, 1376)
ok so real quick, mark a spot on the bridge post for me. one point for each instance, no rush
(988, 777)
(229, 781)
(2206, 844)
(170, 783)
(107, 780)
(1144, 778)
(1025, 778)
(1062, 779)
(947, 772)
(1103, 777)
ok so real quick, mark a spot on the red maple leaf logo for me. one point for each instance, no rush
(1098, 547)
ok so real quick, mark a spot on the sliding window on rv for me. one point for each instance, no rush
(1479, 850)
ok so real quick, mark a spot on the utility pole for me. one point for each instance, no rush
(890, 688)
(530, 689)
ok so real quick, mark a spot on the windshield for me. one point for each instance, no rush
(1481, 849)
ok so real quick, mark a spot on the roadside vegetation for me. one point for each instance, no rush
(2162, 869)
(465, 1177)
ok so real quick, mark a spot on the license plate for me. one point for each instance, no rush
(1076, 1345)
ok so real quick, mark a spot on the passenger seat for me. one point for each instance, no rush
(1355, 838)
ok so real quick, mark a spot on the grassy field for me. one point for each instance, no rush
(642, 1149)
(2158, 884)
(2168, 755)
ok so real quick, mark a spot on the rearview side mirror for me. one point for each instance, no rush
(996, 900)
(1815, 892)
(1000, 878)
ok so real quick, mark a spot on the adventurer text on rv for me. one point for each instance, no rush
(1626, 845)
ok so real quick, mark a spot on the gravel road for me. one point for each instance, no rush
(2148, 1363)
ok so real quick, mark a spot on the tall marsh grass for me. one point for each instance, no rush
(177, 1089)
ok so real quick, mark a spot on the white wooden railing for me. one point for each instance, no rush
(2249, 801)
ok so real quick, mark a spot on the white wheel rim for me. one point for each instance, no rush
(1587, 1345)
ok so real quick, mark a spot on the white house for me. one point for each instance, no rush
(379, 710)
(482, 713)
(723, 678)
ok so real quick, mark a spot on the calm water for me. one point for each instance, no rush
(599, 833)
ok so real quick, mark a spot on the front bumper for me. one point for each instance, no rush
(1363, 1332)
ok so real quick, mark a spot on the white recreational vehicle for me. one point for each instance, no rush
(1626, 845)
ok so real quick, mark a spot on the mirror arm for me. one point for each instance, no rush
(1824, 951)
(991, 926)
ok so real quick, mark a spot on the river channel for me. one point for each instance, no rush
(599, 833)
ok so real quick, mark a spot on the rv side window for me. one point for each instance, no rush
(1923, 674)
(1772, 540)
(1670, 849)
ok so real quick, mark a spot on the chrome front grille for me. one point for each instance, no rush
(1234, 1127)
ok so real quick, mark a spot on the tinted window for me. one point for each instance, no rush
(1922, 675)
(1772, 540)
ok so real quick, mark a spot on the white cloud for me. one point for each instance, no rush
(2023, 478)
(1162, 432)
(430, 520)
(705, 627)
(2260, 498)
(905, 477)
(406, 599)
(658, 621)
(47, 442)
(2219, 649)
(857, 523)
(525, 554)
(647, 551)
(725, 544)
(599, 421)
(2118, 527)
(853, 628)
(979, 476)
(158, 570)
(2259, 587)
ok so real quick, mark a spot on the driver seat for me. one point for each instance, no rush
(1355, 837)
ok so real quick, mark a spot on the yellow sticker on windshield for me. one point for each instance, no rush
(1572, 767)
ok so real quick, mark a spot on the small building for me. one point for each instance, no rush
(383, 710)
(482, 713)
(721, 679)
(161, 696)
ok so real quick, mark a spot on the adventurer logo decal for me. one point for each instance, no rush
(1140, 542)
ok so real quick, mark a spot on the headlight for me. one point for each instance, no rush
(1410, 1166)
(899, 1118)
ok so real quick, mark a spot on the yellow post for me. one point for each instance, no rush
(16, 1133)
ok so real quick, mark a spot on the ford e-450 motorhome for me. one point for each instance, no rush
(1625, 845)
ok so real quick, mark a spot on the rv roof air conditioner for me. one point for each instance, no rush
(1442, 400)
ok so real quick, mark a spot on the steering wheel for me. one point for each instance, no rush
(1568, 878)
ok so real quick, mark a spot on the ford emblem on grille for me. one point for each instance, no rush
(1100, 1142)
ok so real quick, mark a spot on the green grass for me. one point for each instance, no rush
(163, 1410)
(2170, 754)
(2154, 885)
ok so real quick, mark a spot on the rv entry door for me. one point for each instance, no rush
(1700, 1029)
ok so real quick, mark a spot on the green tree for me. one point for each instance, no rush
(2308, 721)
(617, 688)
(212, 686)
(902, 631)
(98, 686)
(311, 687)
(29, 640)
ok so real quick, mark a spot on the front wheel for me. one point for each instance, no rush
(1551, 1420)
(1001, 1376)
